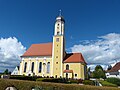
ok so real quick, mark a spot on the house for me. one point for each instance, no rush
(51, 59)
(114, 71)
(15, 71)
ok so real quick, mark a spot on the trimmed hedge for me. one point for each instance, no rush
(88, 82)
(28, 85)
(20, 77)
(60, 80)
(55, 80)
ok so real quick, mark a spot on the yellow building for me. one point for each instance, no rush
(51, 59)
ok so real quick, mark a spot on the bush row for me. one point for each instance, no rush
(60, 80)
(55, 80)
(88, 82)
(19, 77)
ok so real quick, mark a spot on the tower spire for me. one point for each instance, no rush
(60, 12)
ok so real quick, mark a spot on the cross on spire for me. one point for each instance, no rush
(60, 12)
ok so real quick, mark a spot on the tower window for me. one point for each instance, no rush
(57, 39)
(58, 33)
(58, 24)
(56, 56)
(57, 27)
(56, 62)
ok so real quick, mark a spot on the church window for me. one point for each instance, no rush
(56, 62)
(57, 27)
(40, 67)
(58, 24)
(48, 67)
(32, 68)
(67, 67)
(25, 66)
(75, 75)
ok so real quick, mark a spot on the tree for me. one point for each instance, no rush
(88, 73)
(99, 72)
(7, 72)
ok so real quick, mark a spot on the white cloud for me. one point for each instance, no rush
(10, 51)
(104, 50)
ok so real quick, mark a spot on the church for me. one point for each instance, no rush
(51, 59)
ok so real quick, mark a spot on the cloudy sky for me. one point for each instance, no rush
(102, 51)
(10, 50)
(92, 27)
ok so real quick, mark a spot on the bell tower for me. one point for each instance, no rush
(58, 51)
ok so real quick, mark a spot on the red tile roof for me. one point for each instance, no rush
(115, 68)
(44, 49)
(68, 71)
(74, 58)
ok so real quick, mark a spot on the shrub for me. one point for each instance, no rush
(75, 81)
(55, 80)
(114, 81)
(19, 77)
(60, 80)
(39, 79)
(88, 82)
(80, 80)
(72, 81)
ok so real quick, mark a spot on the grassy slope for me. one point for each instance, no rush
(105, 83)
(27, 85)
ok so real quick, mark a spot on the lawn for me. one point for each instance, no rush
(105, 83)
(27, 85)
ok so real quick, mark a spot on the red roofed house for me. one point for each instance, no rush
(51, 59)
(114, 71)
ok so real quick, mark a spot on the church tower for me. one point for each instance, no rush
(58, 47)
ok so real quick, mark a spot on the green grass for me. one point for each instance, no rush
(105, 83)
(27, 85)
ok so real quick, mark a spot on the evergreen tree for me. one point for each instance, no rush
(6, 71)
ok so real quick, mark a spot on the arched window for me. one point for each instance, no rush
(25, 66)
(40, 67)
(67, 67)
(48, 67)
(58, 33)
(32, 68)
(44, 68)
